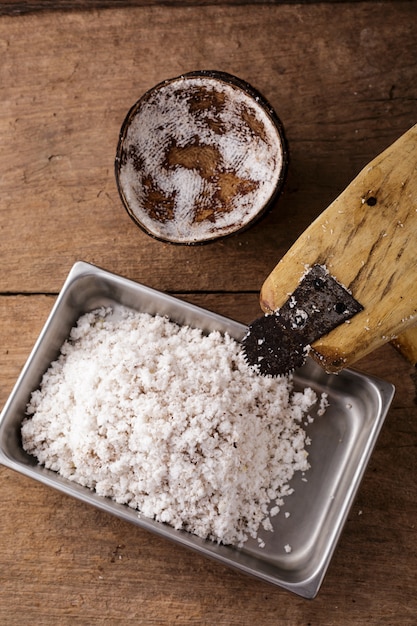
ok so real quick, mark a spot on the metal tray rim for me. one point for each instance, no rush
(307, 587)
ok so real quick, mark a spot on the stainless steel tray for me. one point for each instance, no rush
(342, 439)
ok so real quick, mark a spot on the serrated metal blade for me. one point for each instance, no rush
(278, 343)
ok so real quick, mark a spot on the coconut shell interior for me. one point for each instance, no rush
(200, 157)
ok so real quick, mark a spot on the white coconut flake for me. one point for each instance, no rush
(324, 403)
(171, 422)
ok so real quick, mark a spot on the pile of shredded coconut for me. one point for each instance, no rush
(170, 421)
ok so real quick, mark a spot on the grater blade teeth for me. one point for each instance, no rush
(271, 349)
(278, 343)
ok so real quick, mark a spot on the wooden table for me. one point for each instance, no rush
(343, 79)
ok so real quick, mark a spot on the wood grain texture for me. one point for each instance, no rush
(21, 7)
(68, 80)
(407, 344)
(367, 240)
(342, 77)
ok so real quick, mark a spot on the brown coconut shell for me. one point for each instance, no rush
(200, 157)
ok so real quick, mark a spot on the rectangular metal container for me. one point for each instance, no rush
(342, 439)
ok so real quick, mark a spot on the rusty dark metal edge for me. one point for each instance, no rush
(278, 343)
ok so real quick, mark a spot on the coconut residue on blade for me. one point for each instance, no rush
(171, 422)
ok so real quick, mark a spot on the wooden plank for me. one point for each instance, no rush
(62, 561)
(342, 77)
(68, 79)
(21, 7)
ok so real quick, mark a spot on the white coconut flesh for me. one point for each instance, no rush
(199, 158)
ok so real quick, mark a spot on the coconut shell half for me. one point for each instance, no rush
(200, 157)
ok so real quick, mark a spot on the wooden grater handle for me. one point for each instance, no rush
(367, 239)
